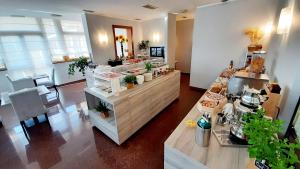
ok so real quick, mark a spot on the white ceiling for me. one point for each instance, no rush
(125, 9)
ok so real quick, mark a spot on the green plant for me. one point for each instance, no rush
(265, 144)
(129, 79)
(80, 63)
(148, 66)
(144, 44)
(101, 107)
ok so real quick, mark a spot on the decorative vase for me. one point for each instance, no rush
(104, 115)
(122, 50)
(148, 77)
(130, 85)
(140, 79)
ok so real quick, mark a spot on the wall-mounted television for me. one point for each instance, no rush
(157, 52)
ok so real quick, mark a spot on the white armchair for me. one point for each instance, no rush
(21, 83)
(49, 82)
(27, 104)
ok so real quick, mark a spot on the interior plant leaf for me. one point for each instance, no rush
(265, 144)
(80, 63)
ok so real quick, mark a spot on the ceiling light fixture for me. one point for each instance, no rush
(18, 16)
(148, 6)
(56, 15)
(88, 11)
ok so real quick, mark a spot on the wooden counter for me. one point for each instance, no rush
(182, 152)
(133, 108)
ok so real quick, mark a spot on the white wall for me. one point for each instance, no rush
(154, 27)
(218, 36)
(284, 63)
(100, 25)
(184, 42)
(171, 40)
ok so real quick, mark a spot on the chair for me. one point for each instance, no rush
(21, 83)
(48, 82)
(27, 104)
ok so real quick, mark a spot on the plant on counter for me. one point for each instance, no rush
(265, 144)
(103, 109)
(130, 80)
(148, 66)
(80, 63)
(144, 45)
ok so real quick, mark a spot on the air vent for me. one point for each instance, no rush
(56, 15)
(148, 6)
(88, 11)
(18, 16)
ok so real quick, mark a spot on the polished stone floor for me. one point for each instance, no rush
(72, 143)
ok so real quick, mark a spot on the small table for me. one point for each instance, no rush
(41, 89)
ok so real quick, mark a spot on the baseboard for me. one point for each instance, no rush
(197, 89)
(183, 73)
(77, 81)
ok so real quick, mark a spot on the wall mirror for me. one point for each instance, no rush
(123, 41)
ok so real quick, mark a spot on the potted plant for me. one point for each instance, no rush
(130, 80)
(265, 146)
(80, 63)
(144, 45)
(102, 108)
(148, 74)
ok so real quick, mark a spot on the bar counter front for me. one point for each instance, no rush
(133, 108)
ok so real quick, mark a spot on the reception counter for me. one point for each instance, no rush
(133, 108)
(182, 152)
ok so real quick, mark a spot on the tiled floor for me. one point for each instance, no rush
(72, 143)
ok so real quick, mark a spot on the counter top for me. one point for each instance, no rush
(181, 150)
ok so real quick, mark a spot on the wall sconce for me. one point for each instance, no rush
(156, 37)
(268, 28)
(103, 39)
(285, 20)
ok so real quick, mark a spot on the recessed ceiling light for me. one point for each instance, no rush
(56, 15)
(88, 11)
(148, 6)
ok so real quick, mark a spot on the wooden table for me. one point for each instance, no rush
(182, 152)
(133, 108)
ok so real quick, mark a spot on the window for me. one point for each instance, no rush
(27, 42)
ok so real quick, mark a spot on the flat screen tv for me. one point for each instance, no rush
(157, 52)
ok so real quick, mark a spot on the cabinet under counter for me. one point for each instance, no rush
(133, 108)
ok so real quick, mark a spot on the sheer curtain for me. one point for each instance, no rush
(33, 43)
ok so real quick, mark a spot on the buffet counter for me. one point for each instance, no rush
(133, 108)
(182, 151)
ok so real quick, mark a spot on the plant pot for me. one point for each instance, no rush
(140, 79)
(104, 115)
(130, 85)
(148, 77)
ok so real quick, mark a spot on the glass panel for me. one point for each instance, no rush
(76, 46)
(118, 32)
(18, 24)
(71, 26)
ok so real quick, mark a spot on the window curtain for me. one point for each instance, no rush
(27, 42)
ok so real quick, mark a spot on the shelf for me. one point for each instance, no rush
(108, 123)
